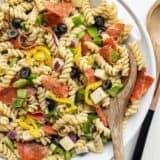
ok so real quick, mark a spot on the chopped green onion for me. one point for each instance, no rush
(40, 20)
(13, 61)
(20, 83)
(17, 103)
(80, 95)
(115, 89)
(114, 56)
(67, 155)
(78, 20)
(9, 143)
(22, 93)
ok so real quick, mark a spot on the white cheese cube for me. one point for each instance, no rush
(66, 143)
(98, 95)
(91, 146)
(100, 73)
(81, 150)
(26, 136)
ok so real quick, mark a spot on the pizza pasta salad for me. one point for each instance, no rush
(60, 64)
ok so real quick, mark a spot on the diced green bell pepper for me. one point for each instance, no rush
(78, 20)
(93, 32)
(40, 20)
(104, 139)
(80, 95)
(67, 155)
(80, 35)
(52, 147)
(114, 90)
(33, 76)
(59, 150)
(17, 103)
(20, 83)
(89, 136)
(114, 56)
(22, 93)
(92, 116)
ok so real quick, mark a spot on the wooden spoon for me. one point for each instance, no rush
(116, 110)
(153, 25)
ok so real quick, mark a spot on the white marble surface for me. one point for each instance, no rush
(152, 146)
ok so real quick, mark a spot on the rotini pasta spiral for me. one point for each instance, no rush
(6, 152)
(137, 54)
(87, 12)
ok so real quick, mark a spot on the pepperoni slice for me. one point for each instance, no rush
(85, 38)
(106, 53)
(89, 74)
(102, 116)
(7, 95)
(31, 151)
(48, 129)
(109, 42)
(59, 89)
(115, 30)
(142, 85)
(37, 115)
(53, 19)
(31, 91)
(61, 9)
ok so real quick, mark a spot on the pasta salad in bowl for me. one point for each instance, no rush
(61, 62)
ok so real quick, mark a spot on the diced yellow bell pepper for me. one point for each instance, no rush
(89, 87)
(35, 133)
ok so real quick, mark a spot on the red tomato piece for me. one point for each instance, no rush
(61, 90)
(110, 42)
(89, 74)
(31, 151)
(7, 95)
(31, 91)
(53, 19)
(142, 85)
(85, 38)
(48, 129)
(61, 9)
(115, 30)
(37, 115)
(106, 53)
(102, 116)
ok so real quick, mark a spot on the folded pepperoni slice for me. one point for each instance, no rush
(7, 95)
(61, 90)
(31, 151)
(106, 53)
(48, 129)
(61, 9)
(37, 115)
(52, 18)
(115, 30)
(89, 74)
(85, 38)
(142, 85)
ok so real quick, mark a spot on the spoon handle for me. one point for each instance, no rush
(137, 155)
